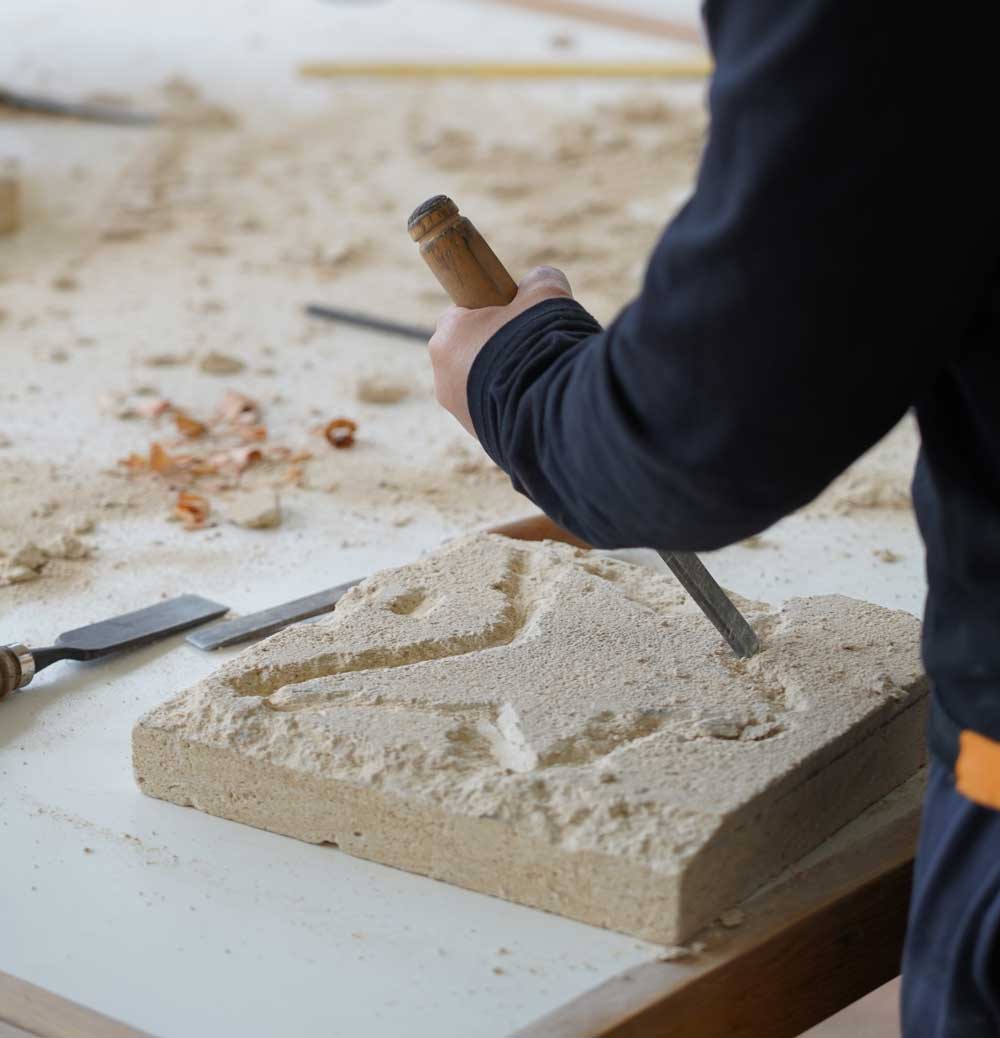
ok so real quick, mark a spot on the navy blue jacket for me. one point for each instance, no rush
(837, 264)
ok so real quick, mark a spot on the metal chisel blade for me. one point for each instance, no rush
(19, 664)
(713, 601)
(267, 621)
(131, 630)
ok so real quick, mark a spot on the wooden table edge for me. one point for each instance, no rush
(43, 1014)
(825, 936)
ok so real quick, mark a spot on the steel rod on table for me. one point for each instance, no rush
(373, 323)
(85, 110)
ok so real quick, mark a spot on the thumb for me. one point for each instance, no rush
(546, 279)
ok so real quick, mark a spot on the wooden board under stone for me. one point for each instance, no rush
(556, 728)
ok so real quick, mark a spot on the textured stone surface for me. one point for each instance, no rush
(556, 728)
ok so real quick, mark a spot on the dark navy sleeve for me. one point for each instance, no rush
(785, 313)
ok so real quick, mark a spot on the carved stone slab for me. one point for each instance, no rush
(556, 728)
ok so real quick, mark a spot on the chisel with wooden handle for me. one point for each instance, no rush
(19, 664)
(469, 271)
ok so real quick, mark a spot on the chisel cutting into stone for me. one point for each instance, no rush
(19, 664)
(471, 274)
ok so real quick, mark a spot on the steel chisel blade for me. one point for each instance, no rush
(690, 571)
(267, 621)
(131, 630)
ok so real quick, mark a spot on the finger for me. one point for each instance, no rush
(546, 278)
(448, 318)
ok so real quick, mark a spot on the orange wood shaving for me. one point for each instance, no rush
(252, 432)
(340, 432)
(192, 509)
(133, 463)
(153, 408)
(188, 426)
(159, 460)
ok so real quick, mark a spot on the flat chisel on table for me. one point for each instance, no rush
(267, 621)
(19, 664)
(469, 271)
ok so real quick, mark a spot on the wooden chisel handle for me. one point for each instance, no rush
(537, 528)
(471, 274)
(17, 668)
(458, 255)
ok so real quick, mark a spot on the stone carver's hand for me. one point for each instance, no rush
(460, 335)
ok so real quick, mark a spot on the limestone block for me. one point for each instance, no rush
(555, 728)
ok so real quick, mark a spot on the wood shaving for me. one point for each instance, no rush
(340, 432)
(160, 461)
(251, 433)
(133, 463)
(153, 408)
(191, 509)
(189, 427)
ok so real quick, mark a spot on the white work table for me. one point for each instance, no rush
(182, 923)
(173, 921)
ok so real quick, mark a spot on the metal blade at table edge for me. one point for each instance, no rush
(268, 621)
(690, 571)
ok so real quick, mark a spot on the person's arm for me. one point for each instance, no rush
(787, 313)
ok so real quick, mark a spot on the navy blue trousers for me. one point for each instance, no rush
(951, 964)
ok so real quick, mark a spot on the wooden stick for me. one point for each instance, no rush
(663, 70)
(632, 21)
(43, 1014)
(458, 256)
